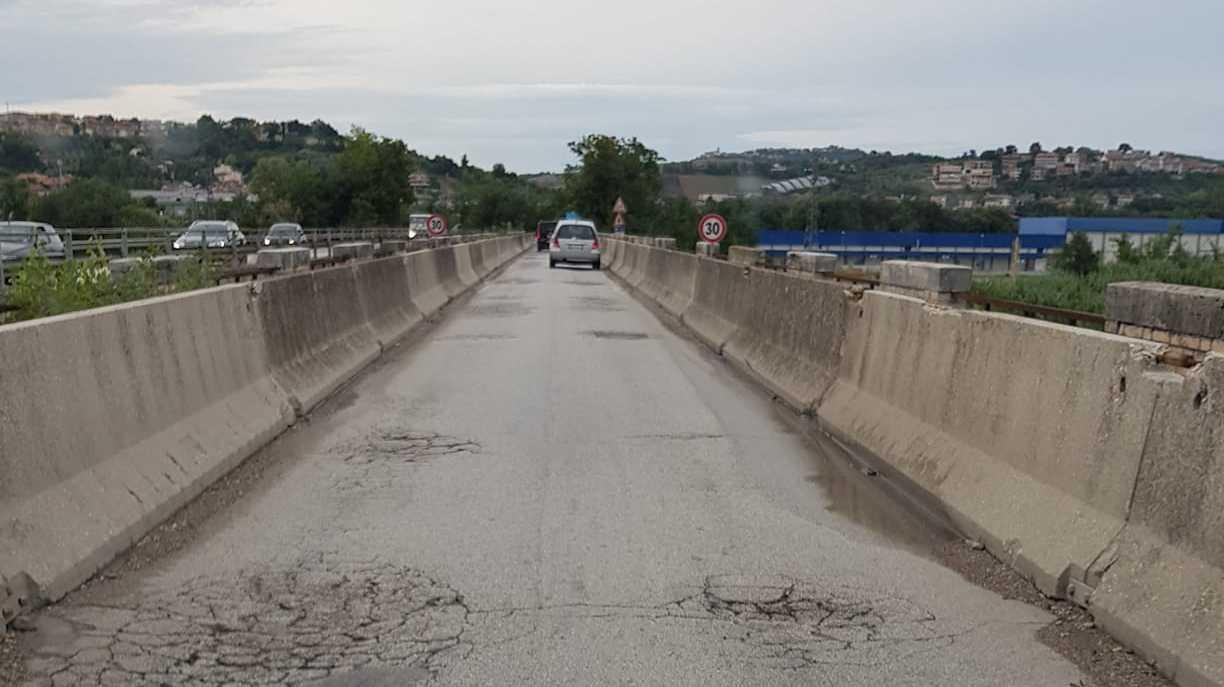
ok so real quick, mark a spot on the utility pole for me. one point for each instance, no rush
(813, 220)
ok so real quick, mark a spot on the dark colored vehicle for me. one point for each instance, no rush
(544, 232)
(210, 234)
(285, 235)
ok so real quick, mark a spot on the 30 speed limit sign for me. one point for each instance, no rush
(712, 228)
(436, 225)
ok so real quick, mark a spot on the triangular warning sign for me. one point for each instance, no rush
(619, 208)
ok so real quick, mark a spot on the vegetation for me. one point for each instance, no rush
(1078, 279)
(41, 288)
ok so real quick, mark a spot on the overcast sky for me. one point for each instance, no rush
(512, 82)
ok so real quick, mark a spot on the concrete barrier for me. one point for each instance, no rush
(1162, 586)
(110, 419)
(352, 250)
(285, 259)
(720, 301)
(1029, 433)
(789, 334)
(669, 279)
(166, 395)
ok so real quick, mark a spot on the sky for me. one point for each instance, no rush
(513, 82)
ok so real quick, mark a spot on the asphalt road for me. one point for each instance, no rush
(551, 488)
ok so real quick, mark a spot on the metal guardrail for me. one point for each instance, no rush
(1075, 318)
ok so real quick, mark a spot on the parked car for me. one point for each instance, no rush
(285, 234)
(574, 241)
(544, 232)
(19, 239)
(210, 234)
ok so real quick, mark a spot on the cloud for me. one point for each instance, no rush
(507, 83)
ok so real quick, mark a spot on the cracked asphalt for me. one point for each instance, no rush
(550, 487)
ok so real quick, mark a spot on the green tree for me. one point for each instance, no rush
(1077, 257)
(610, 167)
(84, 203)
(17, 153)
(371, 178)
(14, 199)
(1128, 254)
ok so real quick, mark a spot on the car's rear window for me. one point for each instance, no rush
(575, 231)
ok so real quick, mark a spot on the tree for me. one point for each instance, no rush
(18, 154)
(1035, 148)
(1127, 253)
(14, 199)
(610, 167)
(371, 178)
(1011, 149)
(84, 203)
(1077, 256)
(1125, 147)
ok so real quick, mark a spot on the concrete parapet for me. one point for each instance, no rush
(1185, 316)
(704, 249)
(1030, 433)
(1162, 582)
(807, 262)
(393, 246)
(164, 396)
(165, 266)
(352, 250)
(665, 243)
(284, 259)
(789, 334)
(931, 281)
(669, 278)
(743, 255)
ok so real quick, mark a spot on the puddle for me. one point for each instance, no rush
(572, 282)
(615, 335)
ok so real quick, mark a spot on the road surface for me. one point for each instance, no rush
(549, 488)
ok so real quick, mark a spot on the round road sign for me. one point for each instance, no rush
(712, 228)
(436, 224)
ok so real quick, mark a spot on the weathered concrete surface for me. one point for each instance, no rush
(663, 526)
(1030, 433)
(285, 259)
(745, 255)
(930, 281)
(393, 245)
(352, 250)
(112, 418)
(165, 265)
(669, 278)
(720, 302)
(790, 338)
(808, 262)
(708, 250)
(1163, 586)
(1187, 313)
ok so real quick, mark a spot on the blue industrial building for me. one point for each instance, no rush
(1039, 237)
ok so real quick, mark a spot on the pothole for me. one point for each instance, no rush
(406, 447)
(793, 623)
(597, 303)
(615, 335)
(286, 627)
(499, 309)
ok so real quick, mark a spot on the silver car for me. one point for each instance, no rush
(574, 241)
(19, 239)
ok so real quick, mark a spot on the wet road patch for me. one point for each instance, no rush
(508, 308)
(616, 335)
(596, 303)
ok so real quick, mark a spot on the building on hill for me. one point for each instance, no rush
(976, 175)
(41, 184)
(796, 185)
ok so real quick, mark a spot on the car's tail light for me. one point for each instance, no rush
(556, 243)
(595, 245)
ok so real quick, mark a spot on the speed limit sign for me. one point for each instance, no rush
(712, 228)
(436, 225)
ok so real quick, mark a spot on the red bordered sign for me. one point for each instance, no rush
(712, 228)
(436, 225)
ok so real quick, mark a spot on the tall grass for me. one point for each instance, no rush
(1087, 292)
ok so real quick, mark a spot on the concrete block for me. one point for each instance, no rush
(165, 265)
(743, 255)
(1028, 433)
(665, 243)
(708, 250)
(285, 259)
(811, 263)
(1169, 307)
(353, 250)
(394, 246)
(926, 276)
